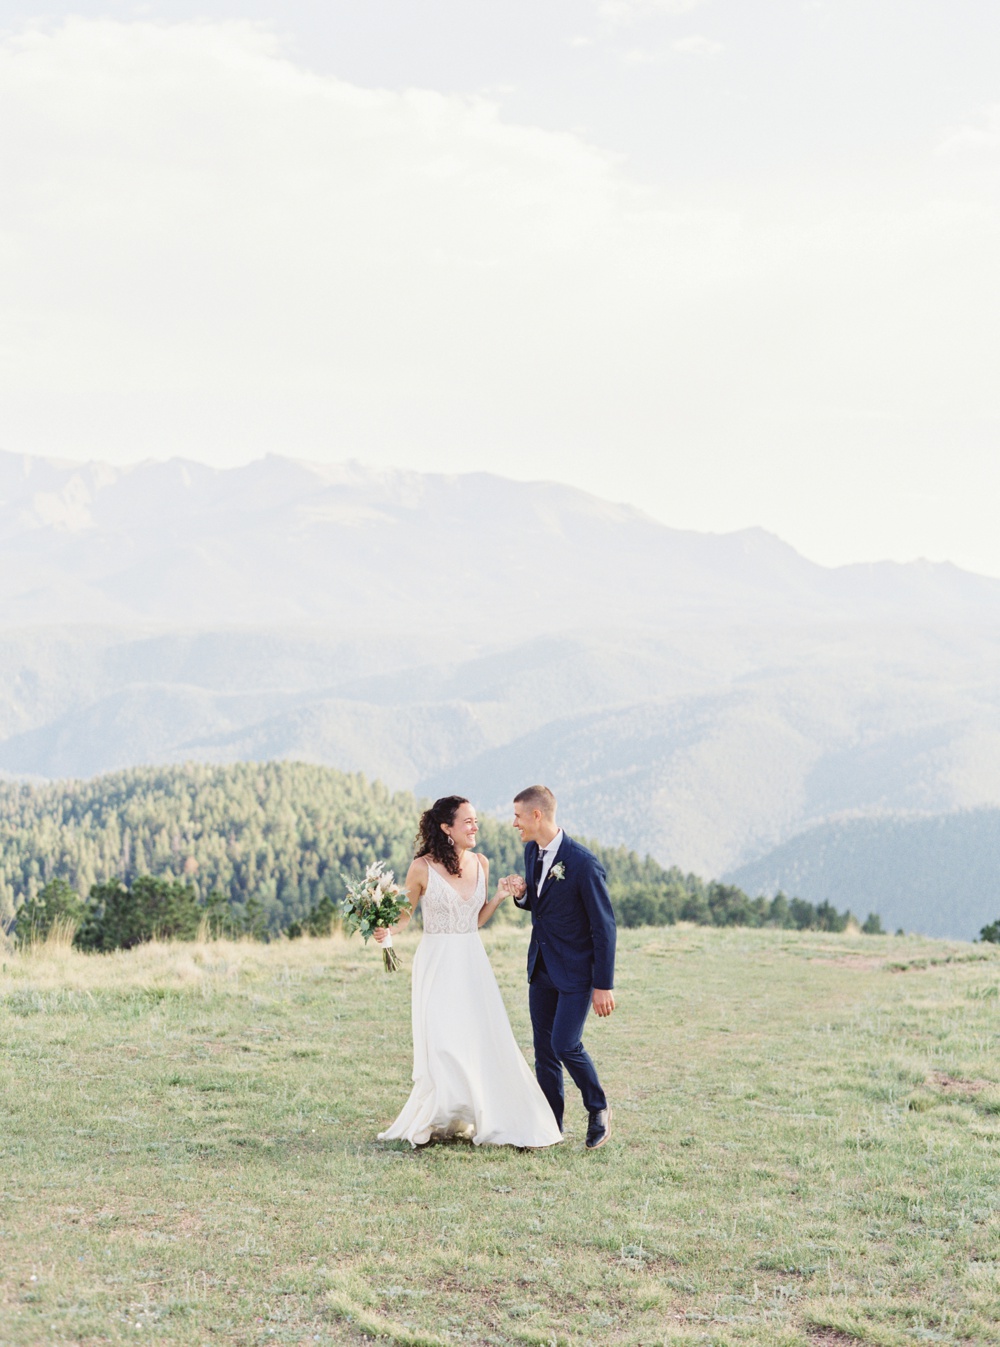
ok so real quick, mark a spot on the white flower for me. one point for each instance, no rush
(558, 870)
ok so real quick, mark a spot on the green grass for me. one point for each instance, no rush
(806, 1149)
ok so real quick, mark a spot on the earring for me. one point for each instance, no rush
(451, 841)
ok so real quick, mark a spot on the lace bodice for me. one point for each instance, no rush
(445, 912)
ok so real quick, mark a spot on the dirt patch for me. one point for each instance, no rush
(831, 1337)
(940, 1080)
(862, 963)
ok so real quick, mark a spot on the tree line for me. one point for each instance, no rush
(264, 849)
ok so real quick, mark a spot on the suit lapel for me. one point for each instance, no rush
(530, 857)
(560, 856)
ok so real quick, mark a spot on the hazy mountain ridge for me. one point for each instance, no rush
(280, 542)
(702, 698)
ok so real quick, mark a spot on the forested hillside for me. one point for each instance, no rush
(284, 833)
(287, 835)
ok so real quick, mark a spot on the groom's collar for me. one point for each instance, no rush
(554, 845)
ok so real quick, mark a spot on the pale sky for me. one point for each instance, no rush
(737, 263)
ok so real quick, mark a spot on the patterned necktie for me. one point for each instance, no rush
(539, 863)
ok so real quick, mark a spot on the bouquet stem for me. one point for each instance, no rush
(389, 956)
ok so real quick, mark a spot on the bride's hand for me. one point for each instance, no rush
(380, 933)
(503, 891)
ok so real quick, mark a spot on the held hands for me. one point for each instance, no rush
(603, 1002)
(514, 885)
(505, 889)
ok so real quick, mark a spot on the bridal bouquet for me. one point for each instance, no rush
(376, 900)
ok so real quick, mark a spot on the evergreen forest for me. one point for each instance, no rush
(262, 848)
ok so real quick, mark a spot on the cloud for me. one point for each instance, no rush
(694, 45)
(697, 45)
(622, 12)
(207, 248)
(642, 56)
(280, 225)
(983, 135)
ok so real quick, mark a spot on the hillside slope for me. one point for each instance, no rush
(704, 747)
(939, 876)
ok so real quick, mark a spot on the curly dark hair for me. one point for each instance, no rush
(431, 841)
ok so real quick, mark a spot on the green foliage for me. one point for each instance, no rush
(254, 919)
(873, 924)
(801, 915)
(679, 897)
(829, 919)
(320, 921)
(220, 918)
(119, 917)
(56, 903)
(322, 918)
(991, 933)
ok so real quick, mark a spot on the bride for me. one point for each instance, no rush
(469, 1076)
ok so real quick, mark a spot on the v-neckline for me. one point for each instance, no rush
(454, 890)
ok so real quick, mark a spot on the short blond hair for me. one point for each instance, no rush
(538, 797)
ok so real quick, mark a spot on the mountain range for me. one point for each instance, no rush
(706, 698)
(279, 542)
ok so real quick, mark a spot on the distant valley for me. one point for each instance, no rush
(706, 699)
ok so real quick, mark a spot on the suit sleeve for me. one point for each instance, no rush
(525, 903)
(597, 901)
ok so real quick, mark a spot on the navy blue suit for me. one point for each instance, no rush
(572, 951)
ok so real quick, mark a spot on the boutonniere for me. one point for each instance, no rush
(558, 871)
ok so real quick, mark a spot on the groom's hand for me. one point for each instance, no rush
(516, 886)
(604, 1002)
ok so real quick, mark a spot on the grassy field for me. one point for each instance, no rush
(806, 1150)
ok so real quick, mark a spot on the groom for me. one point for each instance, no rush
(571, 957)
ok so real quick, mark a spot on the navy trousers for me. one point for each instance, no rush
(557, 1020)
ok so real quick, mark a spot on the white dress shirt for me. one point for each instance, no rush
(548, 855)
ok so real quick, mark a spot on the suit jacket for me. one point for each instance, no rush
(572, 921)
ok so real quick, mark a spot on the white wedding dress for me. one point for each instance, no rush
(470, 1078)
